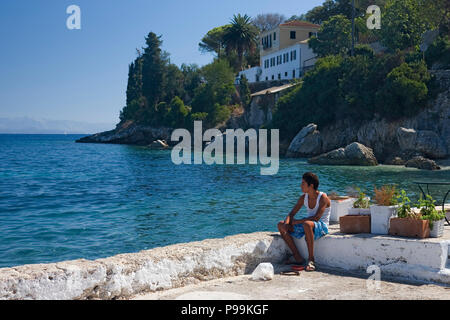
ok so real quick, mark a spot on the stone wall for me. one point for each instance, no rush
(125, 275)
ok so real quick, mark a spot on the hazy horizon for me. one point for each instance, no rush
(44, 65)
(30, 125)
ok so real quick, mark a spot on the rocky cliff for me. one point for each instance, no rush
(425, 134)
(130, 133)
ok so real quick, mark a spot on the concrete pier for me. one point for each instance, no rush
(127, 275)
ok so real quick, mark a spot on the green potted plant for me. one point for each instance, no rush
(436, 218)
(358, 218)
(384, 209)
(408, 223)
(362, 203)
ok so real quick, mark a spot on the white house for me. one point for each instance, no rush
(284, 52)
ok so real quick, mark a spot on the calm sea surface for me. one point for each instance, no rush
(60, 200)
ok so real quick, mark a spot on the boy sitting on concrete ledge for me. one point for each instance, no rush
(313, 227)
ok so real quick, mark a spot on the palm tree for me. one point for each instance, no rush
(241, 36)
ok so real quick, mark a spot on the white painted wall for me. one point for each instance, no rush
(174, 266)
(415, 259)
(284, 71)
(250, 74)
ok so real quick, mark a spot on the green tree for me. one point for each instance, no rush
(192, 79)
(333, 37)
(214, 41)
(217, 89)
(436, 13)
(241, 36)
(439, 51)
(174, 83)
(268, 21)
(244, 92)
(402, 24)
(405, 90)
(331, 8)
(218, 115)
(153, 74)
(314, 101)
(178, 113)
(134, 86)
(133, 110)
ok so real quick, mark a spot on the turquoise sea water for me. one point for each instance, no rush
(60, 200)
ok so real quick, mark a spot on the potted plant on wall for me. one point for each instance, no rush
(361, 205)
(384, 209)
(408, 223)
(436, 218)
(358, 218)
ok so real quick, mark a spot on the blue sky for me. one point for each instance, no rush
(48, 71)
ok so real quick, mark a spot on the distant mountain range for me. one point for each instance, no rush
(27, 125)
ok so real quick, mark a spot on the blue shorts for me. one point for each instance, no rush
(320, 230)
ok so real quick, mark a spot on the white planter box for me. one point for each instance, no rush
(354, 211)
(381, 217)
(339, 208)
(438, 229)
(364, 212)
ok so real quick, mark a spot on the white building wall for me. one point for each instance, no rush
(280, 68)
(250, 74)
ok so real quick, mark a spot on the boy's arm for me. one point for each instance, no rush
(297, 207)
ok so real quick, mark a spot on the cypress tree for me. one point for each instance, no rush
(153, 73)
(134, 87)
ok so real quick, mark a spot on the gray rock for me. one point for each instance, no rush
(406, 138)
(130, 133)
(422, 163)
(424, 141)
(353, 154)
(307, 143)
(395, 161)
(431, 144)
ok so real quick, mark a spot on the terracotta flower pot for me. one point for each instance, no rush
(354, 224)
(411, 228)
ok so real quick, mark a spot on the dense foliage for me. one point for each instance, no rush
(159, 93)
(354, 87)
(390, 84)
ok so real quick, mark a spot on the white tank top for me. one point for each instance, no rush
(312, 212)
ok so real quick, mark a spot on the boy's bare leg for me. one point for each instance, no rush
(284, 231)
(308, 226)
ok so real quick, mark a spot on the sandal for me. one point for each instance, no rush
(290, 273)
(311, 266)
(298, 268)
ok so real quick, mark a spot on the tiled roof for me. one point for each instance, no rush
(297, 23)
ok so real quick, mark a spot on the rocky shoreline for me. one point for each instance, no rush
(418, 141)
